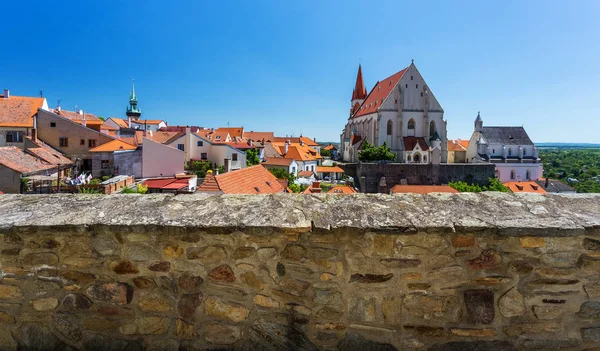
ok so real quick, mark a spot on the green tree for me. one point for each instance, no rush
(252, 157)
(376, 153)
(200, 168)
(281, 173)
(494, 184)
(101, 118)
(326, 153)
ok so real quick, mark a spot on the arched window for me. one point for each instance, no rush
(411, 124)
(424, 158)
(431, 128)
(408, 158)
(390, 125)
(528, 175)
(417, 158)
(512, 174)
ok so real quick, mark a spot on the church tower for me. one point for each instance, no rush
(133, 111)
(359, 94)
(478, 123)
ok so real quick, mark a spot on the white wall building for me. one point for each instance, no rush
(159, 160)
(509, 148)
(399, 110)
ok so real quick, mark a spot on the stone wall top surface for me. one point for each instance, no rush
(496, 213)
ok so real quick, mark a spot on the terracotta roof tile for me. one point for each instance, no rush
(114, 145)
(251, 180)
(18, 111)
(380, 91)
(456, 145)
(278, 161)
(51, 157)
(327, 169)
(341, 189)
(525, 187)
(120, 122)
(162, 137)
(422, 189)
(76, 117)
(14, 158)
(305, 174)
(209, 184)
(259, 136)
(330, 147)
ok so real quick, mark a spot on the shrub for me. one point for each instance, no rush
(142, 189)
(125, 190)
(376, 153)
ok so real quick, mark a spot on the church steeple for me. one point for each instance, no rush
(359, 94)
(478, 123)
(133, 111)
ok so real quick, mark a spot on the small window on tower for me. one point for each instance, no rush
(396, 101)
(406, 85)
(421, 94)
(411, 77)
(417, 86)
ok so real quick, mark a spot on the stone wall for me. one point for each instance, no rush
(486, 271)
(369, 175)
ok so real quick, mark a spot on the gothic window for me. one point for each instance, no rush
(408, 158)
(417, 158)
(512, 174)
(389, 127)
(424, 158)
(509, 151)
(431, 128)
(417, 85)
(411, 124)
(528, 175)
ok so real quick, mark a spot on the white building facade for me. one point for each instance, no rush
(399, 110)
(509, 148)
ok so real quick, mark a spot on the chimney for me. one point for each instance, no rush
(6, 93)
(286, 146)
(83, 122)
(316, 187)
(301, 142)
(81, 112)
(250, 142)
(188, 143)
(34, 129)
(129, 122)
(315, 140)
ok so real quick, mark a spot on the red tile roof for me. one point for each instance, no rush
(147, 121)
(120, 122)
(305, 174)
(76, 117)
(209, 185)
(341, 189)
(326, 169)
(456, 145)
(314, 188)
(114, 145)
(163, 137)
(525, 187)
(306, 140)
(51, 157)
(422, 189)
(18, 111)
(380, 91)
(259, 136)
(193, 129)
(233, 132)
(359, 91)
(411, 142)
(278, 161)
(107, 126)
(330, 147)
(14, 158)
(251, 180)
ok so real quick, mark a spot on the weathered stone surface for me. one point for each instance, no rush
(7, 342)
(77, 277)
(189, 282)
(463, 241)
(400, 262)
(361, 309)
(68, 324)
(38, 258)
(391, 307)
(250, 279)
(188, 304)
(488, 259)
(206, 253)
(146, 326)
(294, 286)
(516, 329)
(589, 309)
(437, 309)
(144, 282)
(223, 273)
(329, 313)
(592, 290)
(356, 342)
(511, 303)
(293, 252)
(530, 242)
(115, 292)
(6, 318)
(321, 253)
(141, 252)
(418, 286)
(10, 292)
(265, 301)
(105, 245)
(37, 337)
(101, 324)
(560, 259)
(591, 244)
(153, 302)
(243, 252)
(474, 333)
(98, 342)
(266, 253)
(370, 278)
(280, 269)
(474, 346)
(123, 267)
(479, 304)
(216, 307)
(548, 344)
(221, 334)
(45, 304)
(269, 336)
(548, 312)
(184, 330)
(522, 267)
(452, 271)
(172, 251)
(329, 297)
(425, 330)
(168, 284)
(590, 334)
(160, 266)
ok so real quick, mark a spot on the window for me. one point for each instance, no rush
(417, 86)
(493, 151)
(509, 152)
(432, 128)
(406, 85)
(524, 151)
(411, 124)
(408, 158)
(82, 142)
(200, 143)
(92, 143)
(14, 137)
(52, 124)
(424, 158)
(411, 77)
(396, 101)
(63, 142)
(512, 174)
(421, 94)
(293, 170)
(234, 157)
(105, 164)
(528, 175)
(204, 156)
(390, 125)
(181, 147)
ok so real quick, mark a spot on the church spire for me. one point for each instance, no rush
(359, 92)
(133, 111)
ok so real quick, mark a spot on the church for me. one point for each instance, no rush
(400, 111)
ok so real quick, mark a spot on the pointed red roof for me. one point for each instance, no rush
(380, 91)
(359, 91)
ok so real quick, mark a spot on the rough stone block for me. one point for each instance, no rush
(479, 305)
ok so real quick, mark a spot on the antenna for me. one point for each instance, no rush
(41, 94)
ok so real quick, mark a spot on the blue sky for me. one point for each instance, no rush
(290, 67)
